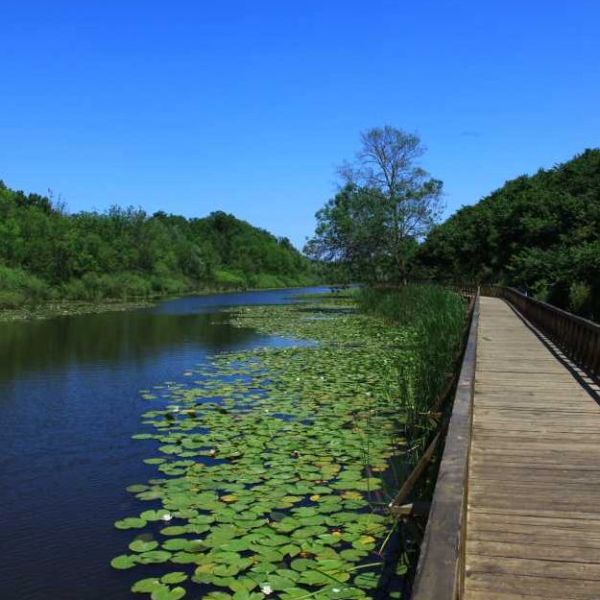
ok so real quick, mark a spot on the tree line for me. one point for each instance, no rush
(539, 233)
(47, 254)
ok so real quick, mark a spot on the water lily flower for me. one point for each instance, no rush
(266, 589)
(166, 517)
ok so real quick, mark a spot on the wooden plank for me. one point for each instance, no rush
(533, 513)
(525, 510)
(547, 587)
(510, 519)
(487, 595)
(528, 537)
(538, 551)
(557, 568)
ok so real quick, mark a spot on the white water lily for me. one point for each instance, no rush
(166, 517)
(266, 589)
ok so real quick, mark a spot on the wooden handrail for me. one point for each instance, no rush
(577, 337)
(440, 570)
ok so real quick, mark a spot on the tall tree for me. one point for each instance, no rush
(386, 205)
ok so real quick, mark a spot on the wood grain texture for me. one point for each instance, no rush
(533, 507)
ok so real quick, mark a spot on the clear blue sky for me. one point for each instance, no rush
(248, 107)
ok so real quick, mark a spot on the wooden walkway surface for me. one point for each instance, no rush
(533, 516)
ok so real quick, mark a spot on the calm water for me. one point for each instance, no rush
(69, 403)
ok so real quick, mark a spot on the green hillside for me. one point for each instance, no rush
(539, 232)
(46, 254)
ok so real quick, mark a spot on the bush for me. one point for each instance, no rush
(229, 279)
(168, 286)
(580, 298)
(264, 281)
(11, 299)
(120, 286)
(18, 287)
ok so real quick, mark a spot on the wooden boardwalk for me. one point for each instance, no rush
(533, 499)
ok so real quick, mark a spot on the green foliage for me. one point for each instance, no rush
(580, 297)
(227, 279)
(265, 281)
(387, 204)
(17, 286)
(540, 233)
(436, 317)
(126, 254)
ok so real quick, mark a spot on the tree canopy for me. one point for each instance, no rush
(124, 253)
(540, 233)
(386, 204)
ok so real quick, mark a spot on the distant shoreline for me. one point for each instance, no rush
(65, 308)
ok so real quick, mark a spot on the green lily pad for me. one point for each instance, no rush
(166, 593)
(124, 561)
(174, 578)
(130, 523)
(142, 546)
(146, 586)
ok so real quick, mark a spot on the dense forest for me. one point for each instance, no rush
(47, 254)
(539, 233)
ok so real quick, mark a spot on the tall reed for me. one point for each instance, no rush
(435, 318)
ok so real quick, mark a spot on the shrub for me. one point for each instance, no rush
(230, 279)
(265, 280)
(18, 287)
(580, 298)
(11, 299)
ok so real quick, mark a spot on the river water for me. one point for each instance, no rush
(69, 404)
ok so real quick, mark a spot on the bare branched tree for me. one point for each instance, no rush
(402, 201)
(386, 164)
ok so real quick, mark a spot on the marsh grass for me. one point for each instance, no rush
(435, 318)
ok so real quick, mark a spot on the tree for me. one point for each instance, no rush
(386, 206)
(350, 230)
(540, 233)
(124, 253)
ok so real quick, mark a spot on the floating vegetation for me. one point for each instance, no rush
(276, 465)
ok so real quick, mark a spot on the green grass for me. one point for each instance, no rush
(436, 318)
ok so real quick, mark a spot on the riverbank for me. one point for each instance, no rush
(48, 310)
(63, 309)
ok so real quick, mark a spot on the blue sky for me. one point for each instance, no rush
(248, 107)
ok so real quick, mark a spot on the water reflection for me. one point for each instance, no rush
(69, 403)
(110, 338)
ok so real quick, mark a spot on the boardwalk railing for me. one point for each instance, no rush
(440, 569)
(578, 338)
